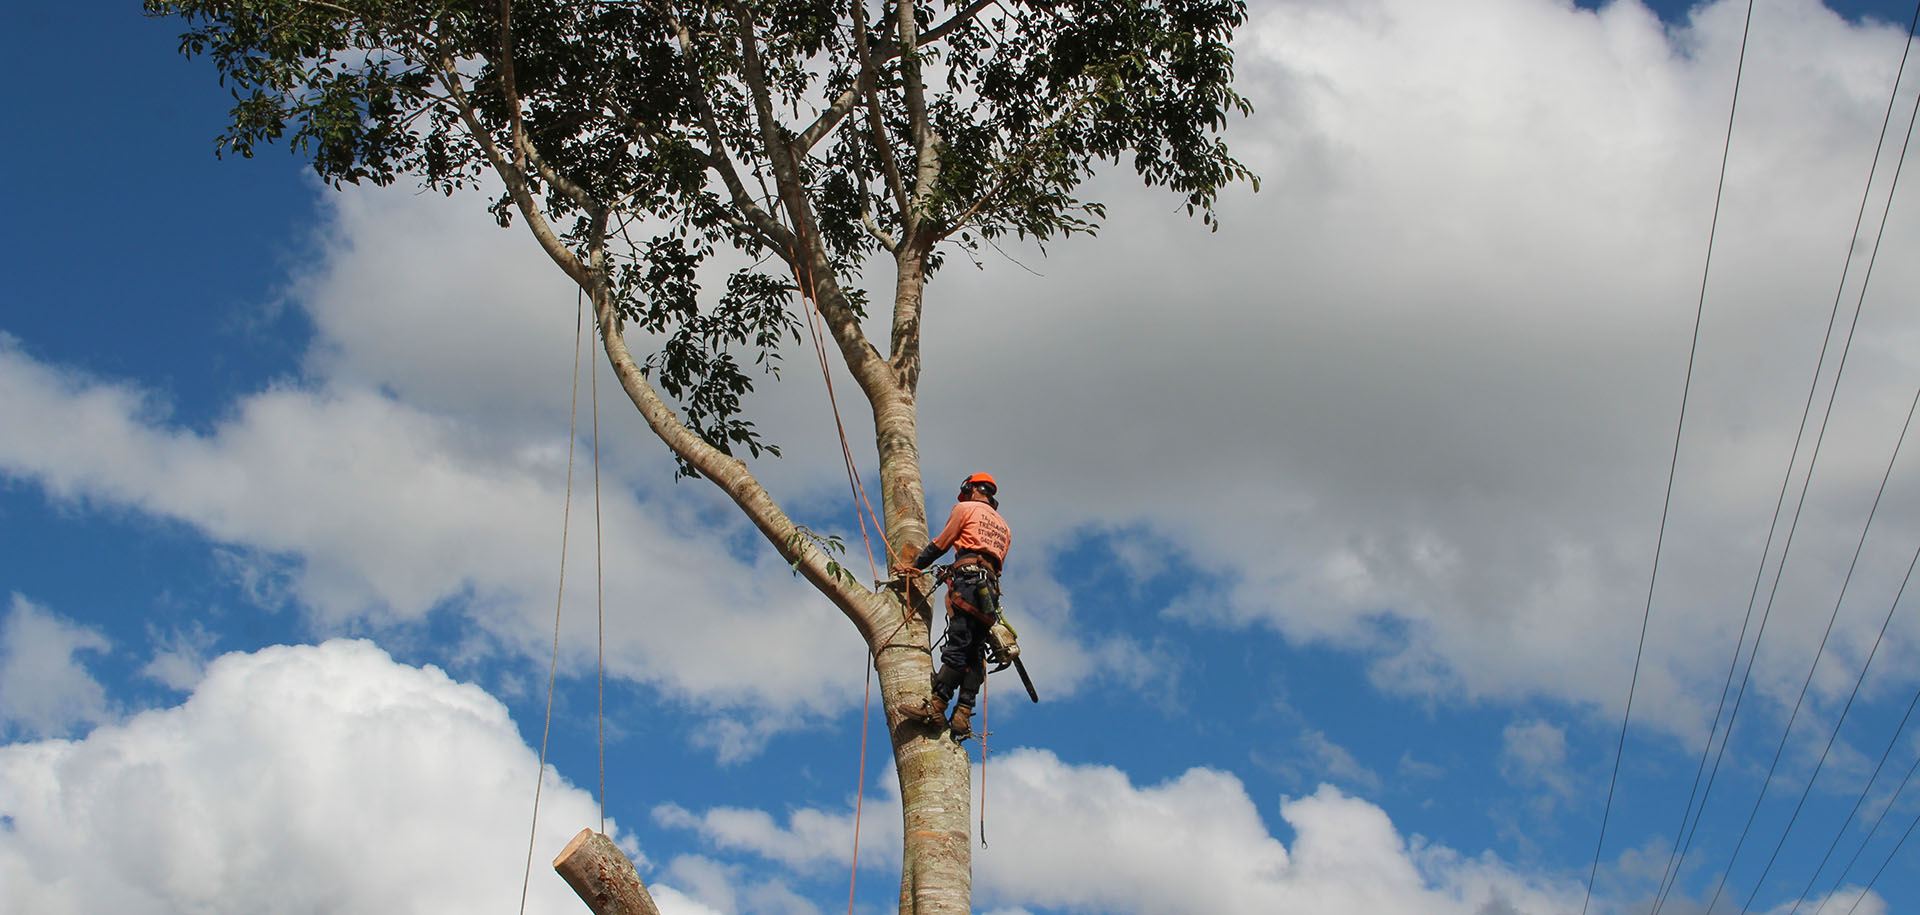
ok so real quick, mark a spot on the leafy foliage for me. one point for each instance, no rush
(651, 131)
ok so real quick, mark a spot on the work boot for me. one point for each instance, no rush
(962, 721)
(928, 709)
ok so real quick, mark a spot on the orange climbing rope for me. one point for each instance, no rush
(803, 277)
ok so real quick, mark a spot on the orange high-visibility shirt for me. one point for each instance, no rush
(977, 527)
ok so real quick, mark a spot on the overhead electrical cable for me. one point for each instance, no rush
(1892, 740)
(1877, 820)
(1673, 465)
(1685, 832)
(1678, 858)
(1805, 484)
(1817, 652)
(1883, 865)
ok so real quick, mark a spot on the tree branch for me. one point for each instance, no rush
(1014, 163)
(876, 123)
(524, 152)
(864, 607)
(923, 135)
(808, 258)
(959, 20)
(515, 128)
(825, 123)
(513, 176)
(769, 229)
(844, 103)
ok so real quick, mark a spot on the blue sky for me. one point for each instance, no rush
(1334, 527)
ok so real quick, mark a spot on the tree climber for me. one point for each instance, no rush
(979, 538)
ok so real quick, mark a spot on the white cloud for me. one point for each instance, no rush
(316, 778)
(715, 886)
(1417, 398)
(1534, 754)
(810, 839)
(1312, 758)
(376, 511)
(48, 690)
(180, 656)
(1086, 838)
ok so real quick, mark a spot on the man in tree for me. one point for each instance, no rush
(690, 165)
(979, 538)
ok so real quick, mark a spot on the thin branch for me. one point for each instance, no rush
(960, 20)
(864, 607)
(846, 100)
(515, 128)
(1013, 164)
(515, 179)
(926, 140)
(825, 123)
(876, 123)
(880, 235)
(553, 178)
(768, 228)
(808, 259)
(887, 49)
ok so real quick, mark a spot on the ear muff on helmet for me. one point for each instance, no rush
(980, 482)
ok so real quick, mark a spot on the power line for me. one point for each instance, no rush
(1848, 707)
(1679, 852)
(1883, 865)
(1673, 465)
(1882, 816)
(1884, 756)
(1806, 484)
(1678, 857)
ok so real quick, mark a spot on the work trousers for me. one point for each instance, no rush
(965, 645)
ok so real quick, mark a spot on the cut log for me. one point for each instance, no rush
(603, 877)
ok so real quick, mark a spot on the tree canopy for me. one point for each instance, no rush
(799, 129)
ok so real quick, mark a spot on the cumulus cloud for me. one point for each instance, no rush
(717, 886)
(180, 655)
(1086, 838)
(373, 510)
(421, 462)
(809, 840)
(49, 690)
(312, 778)
(1534, 753)
(1417, 398)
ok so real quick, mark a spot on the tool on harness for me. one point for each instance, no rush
(1003, 642)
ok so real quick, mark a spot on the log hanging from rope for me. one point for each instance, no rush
(603, 877)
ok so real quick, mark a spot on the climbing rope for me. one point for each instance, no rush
(803, 281)
(984, 731)
(553, 668)
(600, 660)
(599, 593)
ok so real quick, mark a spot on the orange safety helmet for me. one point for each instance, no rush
(981, 481)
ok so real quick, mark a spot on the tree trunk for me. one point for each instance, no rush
(936, 873)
